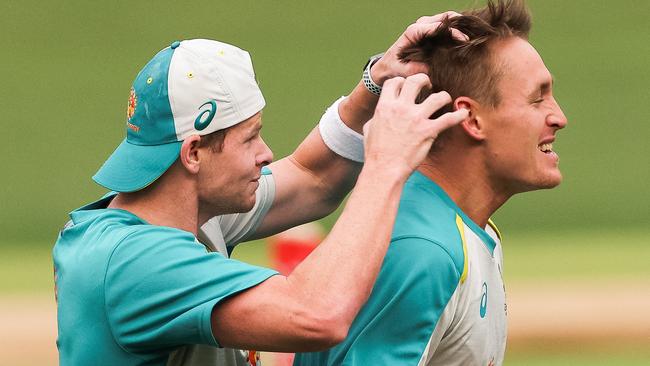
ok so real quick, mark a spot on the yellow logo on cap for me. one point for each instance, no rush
(133, 102)
(130, 110)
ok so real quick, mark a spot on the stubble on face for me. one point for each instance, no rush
(521, 129)
(229, 178)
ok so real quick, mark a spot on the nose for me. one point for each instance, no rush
(265, 156)
(556, 118)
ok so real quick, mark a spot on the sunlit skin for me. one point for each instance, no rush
(243, 155)
(527, 118)
(497, 151)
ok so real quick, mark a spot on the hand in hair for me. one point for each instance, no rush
(401, 132)
(391, 65)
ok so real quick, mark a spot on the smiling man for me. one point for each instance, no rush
(440, 298)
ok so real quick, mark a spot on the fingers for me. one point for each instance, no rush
(406, 124)
(391, 88)
(434, 102)
(438, 17)
(413, 85)
(420, 29)
(458, 35)
(447, 120)
(428, 25)
(409, 89)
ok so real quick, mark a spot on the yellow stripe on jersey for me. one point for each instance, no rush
(461, 230)
(494, 227)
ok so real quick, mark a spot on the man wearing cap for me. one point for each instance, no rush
(143, 275)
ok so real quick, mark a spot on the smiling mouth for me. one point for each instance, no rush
(546, 148)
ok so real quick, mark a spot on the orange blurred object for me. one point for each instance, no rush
(288, 248)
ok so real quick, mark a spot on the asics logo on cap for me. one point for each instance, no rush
(202, 121)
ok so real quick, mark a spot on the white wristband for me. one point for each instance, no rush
(340, 138)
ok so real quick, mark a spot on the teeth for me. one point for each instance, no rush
(546, 147)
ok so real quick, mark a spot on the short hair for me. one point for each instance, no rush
(215, 140)
(468, 68)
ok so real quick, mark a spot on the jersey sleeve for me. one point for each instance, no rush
(161, 285)
(235, 228)
(395, 326)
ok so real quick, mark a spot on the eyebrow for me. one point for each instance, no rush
(256, 127)
(543, 88)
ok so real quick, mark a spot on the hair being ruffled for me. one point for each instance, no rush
(467, 68)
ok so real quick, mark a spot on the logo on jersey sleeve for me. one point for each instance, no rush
(484, 298)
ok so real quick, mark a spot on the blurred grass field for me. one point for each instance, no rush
(26, 268)
(583, 255)
(66, 69)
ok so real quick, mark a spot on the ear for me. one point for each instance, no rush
(190, 157)
(473, 124)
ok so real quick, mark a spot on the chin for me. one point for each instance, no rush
(242, 205)
(550, 181)
(546, 181)
(247, 204)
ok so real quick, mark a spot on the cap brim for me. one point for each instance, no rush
(133, 167)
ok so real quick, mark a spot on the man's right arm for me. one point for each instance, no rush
(313, 307)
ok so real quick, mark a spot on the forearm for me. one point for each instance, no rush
(358, 107)
(338, 276)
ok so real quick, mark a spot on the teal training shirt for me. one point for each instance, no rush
(428, 305)
(129, 293)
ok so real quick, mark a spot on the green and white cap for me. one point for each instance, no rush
(192, 87)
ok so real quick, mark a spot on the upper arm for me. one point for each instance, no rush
(161, 289)
(394, 327)
(310, 184)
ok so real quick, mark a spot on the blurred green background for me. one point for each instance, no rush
(67, 67)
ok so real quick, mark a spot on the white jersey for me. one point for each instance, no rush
(472, 327)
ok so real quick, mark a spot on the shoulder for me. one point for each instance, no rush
(416, 282)
(421, 264)
(426, 223)
(153, 238)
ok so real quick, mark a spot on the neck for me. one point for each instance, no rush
(161, 204)
(472, 192)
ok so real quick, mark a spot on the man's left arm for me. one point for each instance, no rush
(312, 182)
